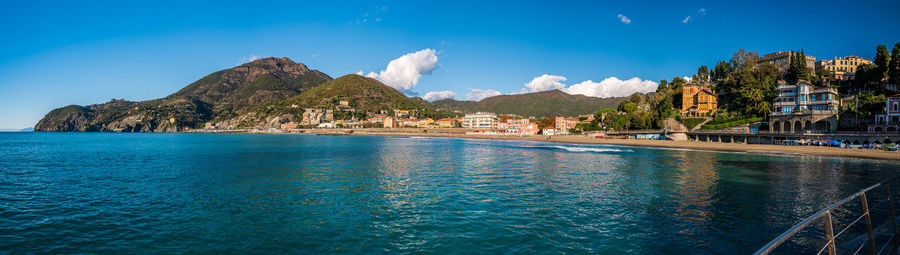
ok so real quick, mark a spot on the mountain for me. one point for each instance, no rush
(363, 93)
(365, 96)
(16, 130)
(217, 97)
(538, 104)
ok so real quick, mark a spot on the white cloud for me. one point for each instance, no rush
(438, 95)
(250, 58)
(545, 82)
(612, 87)
(478, 94)
(687, 78)
(404, 72)
(686, 20)
(624, 19)
(702, 11)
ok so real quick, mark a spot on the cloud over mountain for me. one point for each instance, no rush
(404, 72)
(438, 95)
(478, 94)
(609, 87)
(612, 87)
(545, 82)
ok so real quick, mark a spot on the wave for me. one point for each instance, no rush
(588, 149)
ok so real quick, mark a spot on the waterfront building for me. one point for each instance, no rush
(563, 124)
(889, 121)
(408, 122)
(518, 127)
(426, 122)
(445, 123)
(550, 131)
(782, 60)
(802, 108)
(389, 122)
(697, 101)
(480, 120)
(289, 125)
(842, 68)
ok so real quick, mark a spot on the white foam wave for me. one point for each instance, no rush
(587, 149)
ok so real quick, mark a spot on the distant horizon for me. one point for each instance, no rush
(86, 53)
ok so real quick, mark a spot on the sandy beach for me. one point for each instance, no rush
(694, 145)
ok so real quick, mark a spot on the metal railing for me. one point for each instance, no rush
(826, 216)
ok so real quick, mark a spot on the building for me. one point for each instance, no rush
(550, 131)
(480, 120)
(377, 119)
(445, 123)
(408, 122)
(889, 121)
(401, 113)
(697, 101)
(563, 124)
(289, 125)
(426, 122)
(782, 60)
(344, 102)
(800, 108)
(389, 122)
(842, 68)
(518, 127)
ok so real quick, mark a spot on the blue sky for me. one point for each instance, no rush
(59, 53)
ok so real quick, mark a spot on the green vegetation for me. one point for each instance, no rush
(539, 104)
(690, 123)
(731, 122)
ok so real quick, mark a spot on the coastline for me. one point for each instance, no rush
(691, 145)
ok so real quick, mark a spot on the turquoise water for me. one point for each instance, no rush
(246, 193)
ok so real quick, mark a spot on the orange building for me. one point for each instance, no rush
(697, 101)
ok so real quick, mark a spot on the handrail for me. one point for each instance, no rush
(829, 232)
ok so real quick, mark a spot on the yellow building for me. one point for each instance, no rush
(842, 68)
(697, 101)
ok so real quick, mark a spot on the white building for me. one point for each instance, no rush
(480, 120)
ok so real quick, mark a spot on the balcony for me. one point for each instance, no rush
(785, 103)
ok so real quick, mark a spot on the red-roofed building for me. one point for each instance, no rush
(563, 124)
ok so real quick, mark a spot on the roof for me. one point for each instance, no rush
(572, 119)
(445, 119)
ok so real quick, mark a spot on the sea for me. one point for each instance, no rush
(127, 193)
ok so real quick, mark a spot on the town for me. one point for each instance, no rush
(785, 97)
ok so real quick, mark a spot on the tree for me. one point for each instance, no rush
(882, 61)
(744, 59)
(797, 70)
(866, 76)
(894, 65)
(546, 122)
(627, 107)
(721, 70)
(663, 86)
(702, 74)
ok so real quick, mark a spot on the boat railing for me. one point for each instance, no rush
(827, 216)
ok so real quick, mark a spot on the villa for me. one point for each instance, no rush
(803, 108)
(889, 121)
(697, 101)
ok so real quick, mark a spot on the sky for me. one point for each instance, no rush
(58, 53)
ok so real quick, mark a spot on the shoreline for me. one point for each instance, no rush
(668, 144)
